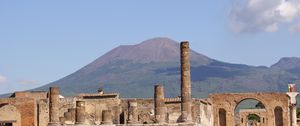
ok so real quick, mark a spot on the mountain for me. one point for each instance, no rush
(132, 70)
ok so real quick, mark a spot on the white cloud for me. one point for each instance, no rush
(263, 15)
(28, 82)
(2, 79)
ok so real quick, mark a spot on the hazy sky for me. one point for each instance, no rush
(42, 41)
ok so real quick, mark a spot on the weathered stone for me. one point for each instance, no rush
(159, 104)
(73, 114)
(133, 113)
(68, 116)
(186, 96)
(62, 120)
(80, 112)
(224, 106)
(107, 118)
(54, 106)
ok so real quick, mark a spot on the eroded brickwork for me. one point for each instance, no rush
(228, 102)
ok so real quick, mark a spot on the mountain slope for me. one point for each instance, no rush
(132, 70)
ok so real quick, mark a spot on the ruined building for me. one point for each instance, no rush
(52, 109)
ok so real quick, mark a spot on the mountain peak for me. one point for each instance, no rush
(155, 50)
(158, 41)
(286, 63)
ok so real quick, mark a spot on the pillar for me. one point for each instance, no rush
(292, 93)
(54, 106)
(80, 112)
(159, 104)
(133, 112)
(107, 118)
(186, 98)
(294, 115)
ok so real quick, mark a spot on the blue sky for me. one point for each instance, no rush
(42, 41)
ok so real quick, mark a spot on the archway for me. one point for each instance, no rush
(222, 117)
(229, 102)
(278, 116)
(248, 112)
(253, 120)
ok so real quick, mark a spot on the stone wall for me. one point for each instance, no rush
(26, 108)
(229, 101)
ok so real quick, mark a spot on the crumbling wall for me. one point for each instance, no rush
(206, 117)
(229, 101)
(26, 107)
(10, 113)
(43, 112)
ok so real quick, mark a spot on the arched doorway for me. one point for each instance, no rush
(278, 116)
(249, 112)
(253, 120)
(222, 117)
(229, 102)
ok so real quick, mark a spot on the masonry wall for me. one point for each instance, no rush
(229, 101)
(26, 107)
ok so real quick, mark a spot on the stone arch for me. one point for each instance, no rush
(278, 112)
(243, 119)
(10, 114)
(229, 101)
(222, 117)
(238, 101)
(257, 117)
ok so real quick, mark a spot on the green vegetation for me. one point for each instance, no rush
(254, 117)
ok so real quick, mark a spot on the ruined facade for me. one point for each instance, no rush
(52, 109)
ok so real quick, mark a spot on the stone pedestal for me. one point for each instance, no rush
(54, 106)
(186, 98)
(159, 104)
(80, 112)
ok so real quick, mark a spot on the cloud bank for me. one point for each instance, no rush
(252, 16)
(2, 79)
(28, 82)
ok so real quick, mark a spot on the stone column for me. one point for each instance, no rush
(133, 113)
(186, 98)
(107, 118)
(292, 93)
(54, 106)
(80, 112)
(294, 115)
(159, 104)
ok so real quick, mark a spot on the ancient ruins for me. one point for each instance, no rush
(51, 109)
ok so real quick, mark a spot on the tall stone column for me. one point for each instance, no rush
(294, 115)
(186, 98)
(159, 104)
(54, 106)
(133, 113)
(107, 118)
(80, 112)
(292, 93)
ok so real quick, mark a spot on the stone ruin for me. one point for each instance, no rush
(39, 108)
